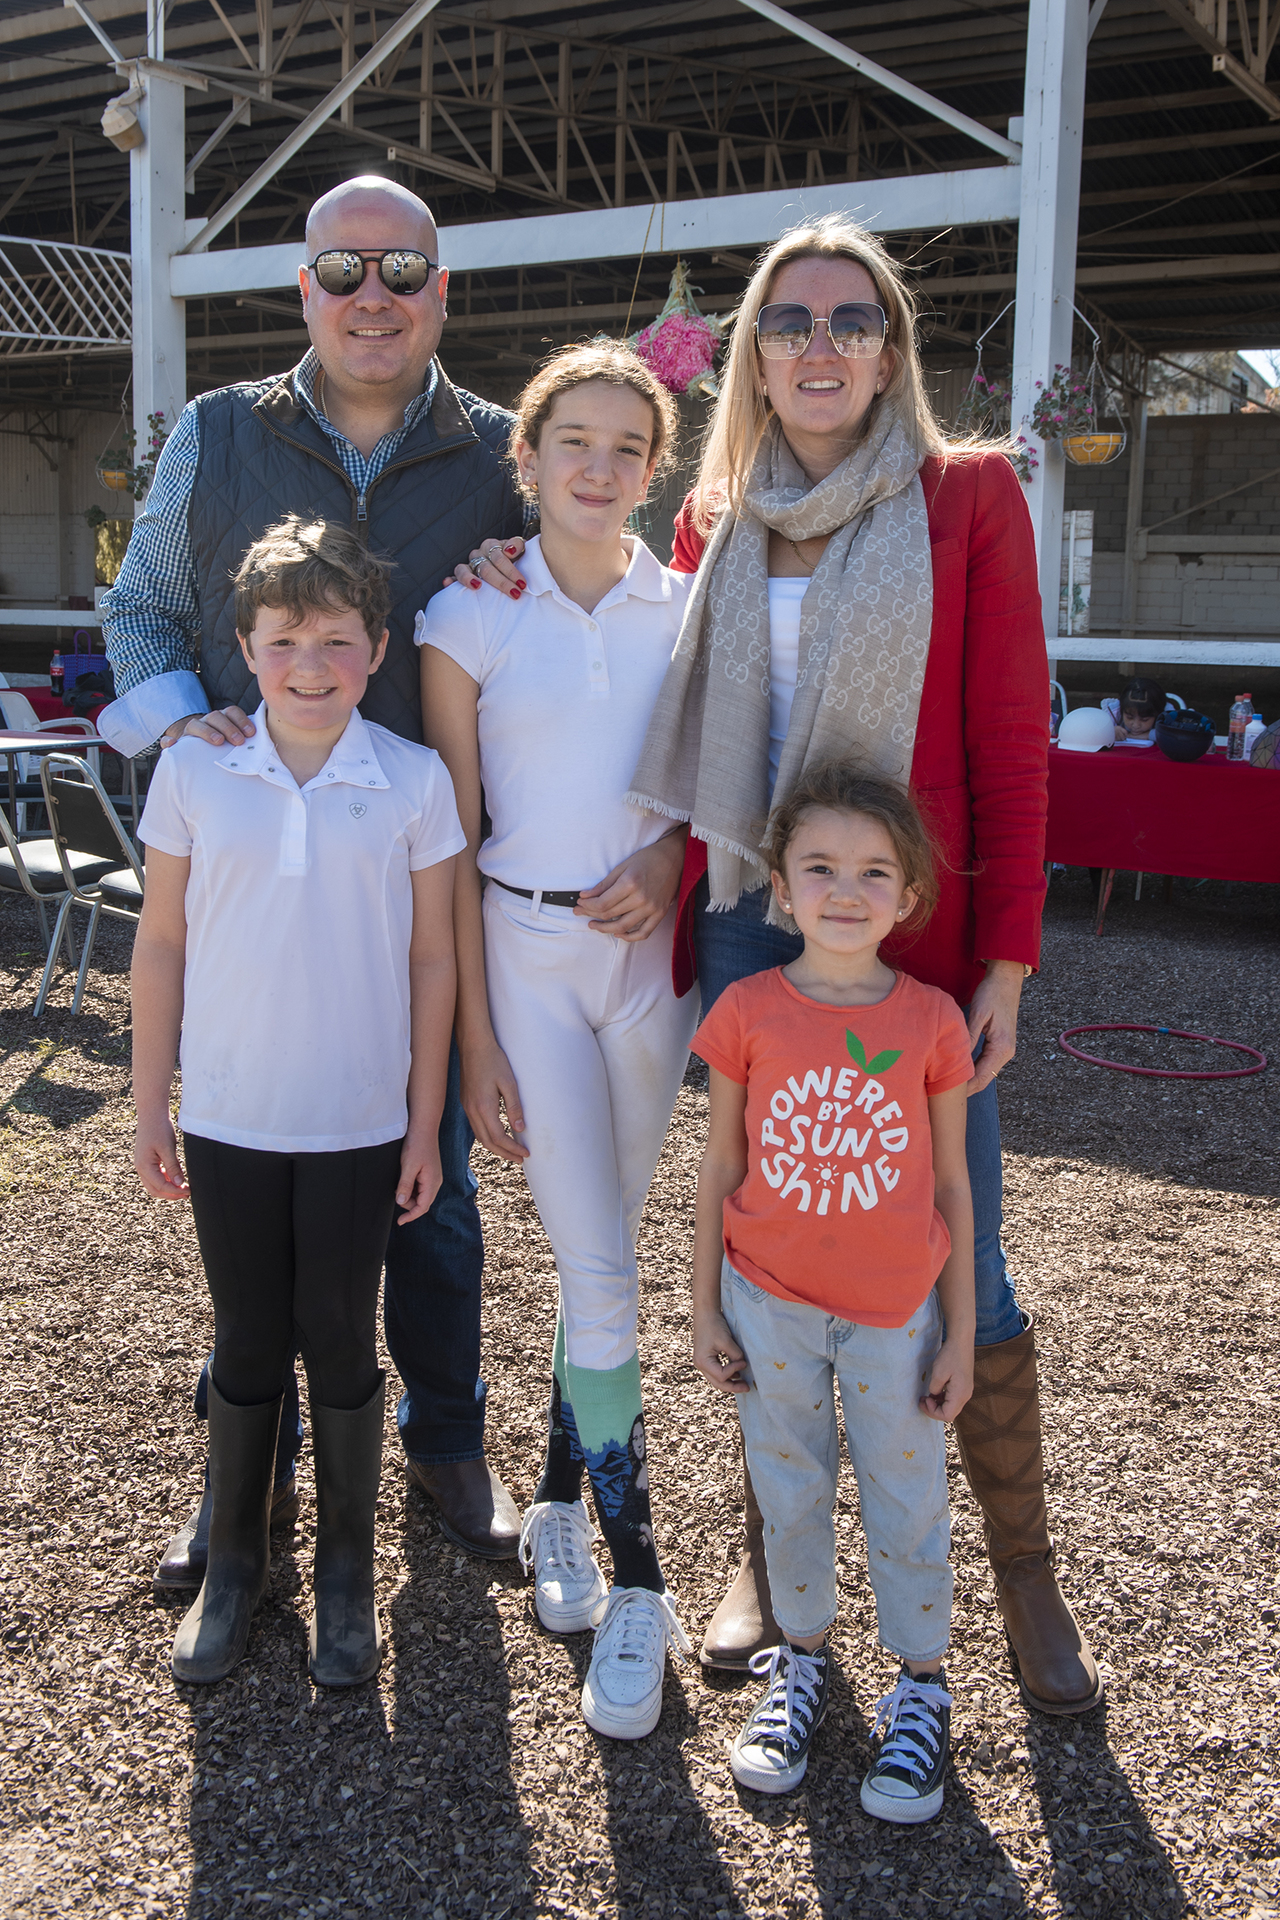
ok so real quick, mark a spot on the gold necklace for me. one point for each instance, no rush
(799, 556)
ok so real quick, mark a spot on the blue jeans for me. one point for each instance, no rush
(732, 945)
(431, 1308)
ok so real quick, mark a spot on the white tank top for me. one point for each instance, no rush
(785, 597)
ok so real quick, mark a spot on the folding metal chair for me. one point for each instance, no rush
(86, 826)
(35, 867)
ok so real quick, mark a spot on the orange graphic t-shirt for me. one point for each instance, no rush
(837, 1209)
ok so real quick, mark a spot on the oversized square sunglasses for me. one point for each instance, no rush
(855, 328)
(401, 270)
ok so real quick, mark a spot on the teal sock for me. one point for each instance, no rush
(607, 1414)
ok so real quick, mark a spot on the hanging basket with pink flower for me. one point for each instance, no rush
(681, 345)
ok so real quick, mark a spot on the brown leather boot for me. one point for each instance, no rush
(999, 1437)
(743, 1623)
(473, 1507)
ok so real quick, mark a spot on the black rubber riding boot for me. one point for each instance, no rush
(242, 1452)
(346, 1639)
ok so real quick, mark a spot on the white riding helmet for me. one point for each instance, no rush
(1087, 730)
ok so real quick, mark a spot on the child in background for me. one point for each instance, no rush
(298, 931)
(1136, 711)
(834, 1242)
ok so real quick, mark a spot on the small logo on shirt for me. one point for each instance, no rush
(357, 809)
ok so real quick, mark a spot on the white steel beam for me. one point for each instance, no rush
(157, 210)
(403, 27)
(77, 6)
(902, 204)
(929, 102)
(1053, 139)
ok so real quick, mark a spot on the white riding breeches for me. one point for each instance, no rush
(598, 1043)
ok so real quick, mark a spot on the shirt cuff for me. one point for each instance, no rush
(135, 721)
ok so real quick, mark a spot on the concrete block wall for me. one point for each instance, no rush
(1190, 457)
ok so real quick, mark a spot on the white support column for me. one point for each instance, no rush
(157, 206)
(1052, 138)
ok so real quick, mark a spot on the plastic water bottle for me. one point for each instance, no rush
(1255, 727)
(56, 674)
(1241, 715)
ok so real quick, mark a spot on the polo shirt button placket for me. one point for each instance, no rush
(599, 672)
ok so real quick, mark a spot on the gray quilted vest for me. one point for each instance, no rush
(263, 455)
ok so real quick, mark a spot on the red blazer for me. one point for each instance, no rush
(980, 768)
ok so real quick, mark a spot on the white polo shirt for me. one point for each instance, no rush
(565, 700)
(295, 1030)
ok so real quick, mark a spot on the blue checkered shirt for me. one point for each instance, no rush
(151, 617)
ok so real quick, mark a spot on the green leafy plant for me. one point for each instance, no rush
(1066, 405)
(857, 1052)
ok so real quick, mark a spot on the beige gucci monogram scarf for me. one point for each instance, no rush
(864, 639)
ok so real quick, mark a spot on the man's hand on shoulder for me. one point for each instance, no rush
(224, 727)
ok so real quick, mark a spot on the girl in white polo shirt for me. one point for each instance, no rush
(298, 930)
(566, 1012)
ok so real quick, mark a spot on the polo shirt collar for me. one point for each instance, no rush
(354, 761)
(644, 579)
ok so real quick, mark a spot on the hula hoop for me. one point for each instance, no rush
(1164, 1073)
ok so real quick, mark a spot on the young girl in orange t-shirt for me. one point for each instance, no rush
(835, 1242)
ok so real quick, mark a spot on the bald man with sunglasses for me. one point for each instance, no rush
(367, 429)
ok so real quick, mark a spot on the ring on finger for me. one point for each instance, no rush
(475, 559)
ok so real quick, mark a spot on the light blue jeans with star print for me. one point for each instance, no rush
(796, 1354)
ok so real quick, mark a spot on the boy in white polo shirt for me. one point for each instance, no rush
(298, 932)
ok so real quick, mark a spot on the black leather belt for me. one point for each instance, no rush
(548, 899)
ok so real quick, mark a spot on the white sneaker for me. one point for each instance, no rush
(622, 1694)
(555, 1545)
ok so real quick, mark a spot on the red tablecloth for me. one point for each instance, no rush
(49, 707)
(1131, 808)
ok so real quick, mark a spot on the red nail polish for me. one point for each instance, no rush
(515, 593)
(510, 552)
(473, 583)
(521, 583)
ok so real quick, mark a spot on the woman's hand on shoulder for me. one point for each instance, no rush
(224, 727)
(488, 1091)
(634, 899)
(717, 1354)
(493, 563)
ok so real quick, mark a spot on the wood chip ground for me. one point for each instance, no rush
(1142, 1227)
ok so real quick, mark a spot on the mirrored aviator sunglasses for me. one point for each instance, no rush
(402, 270)
(855, 328)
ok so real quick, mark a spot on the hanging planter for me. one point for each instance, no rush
(681, 345)
(986, 411)
(115, 468)
(1073, 407)
(1093, 449)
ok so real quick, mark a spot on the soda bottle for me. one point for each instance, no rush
(1241, 715)
(56, 674)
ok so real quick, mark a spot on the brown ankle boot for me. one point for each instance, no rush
(743, 1623)
(999, 1438)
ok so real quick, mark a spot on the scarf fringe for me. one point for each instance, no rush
(647, 804)
(644, 800)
